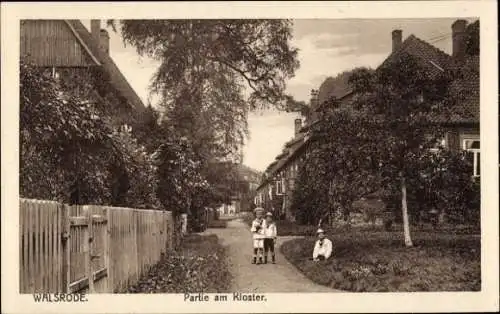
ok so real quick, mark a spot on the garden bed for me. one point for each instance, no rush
(379, 262)
(200, 266)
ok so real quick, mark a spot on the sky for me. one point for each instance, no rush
(327, 47)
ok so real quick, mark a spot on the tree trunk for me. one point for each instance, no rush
(406, 220)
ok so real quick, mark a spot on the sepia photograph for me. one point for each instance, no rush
(228, 159)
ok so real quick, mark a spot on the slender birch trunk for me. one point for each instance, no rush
(406, 220)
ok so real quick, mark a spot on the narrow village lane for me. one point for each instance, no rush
(279, 277)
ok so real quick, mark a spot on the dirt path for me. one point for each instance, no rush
(280, 277)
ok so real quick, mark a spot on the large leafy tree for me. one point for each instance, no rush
(206, 66)
(405, 98)
(336, 170)
(211, 74)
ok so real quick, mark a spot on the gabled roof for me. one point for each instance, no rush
(465, 85)
(117, 79)
(432, 58)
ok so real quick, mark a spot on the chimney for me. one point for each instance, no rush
(314, 105)
(104, 40)
(459, 38)
(314, 98)
(95, 27)
(298, 126)
(397, 39)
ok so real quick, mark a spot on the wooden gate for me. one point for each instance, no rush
(87, 249)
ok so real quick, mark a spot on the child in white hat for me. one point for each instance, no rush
(258, 227)
(270, 234)
(322, 247)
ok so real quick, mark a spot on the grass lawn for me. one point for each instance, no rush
(378, 261)
(200, 266)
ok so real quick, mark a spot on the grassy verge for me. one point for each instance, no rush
(378, 262)
(199, 267)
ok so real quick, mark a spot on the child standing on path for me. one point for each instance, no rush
(270, 234)
(258, 227)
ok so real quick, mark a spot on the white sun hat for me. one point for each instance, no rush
(320, 231)
(269, 214)
(259, 210)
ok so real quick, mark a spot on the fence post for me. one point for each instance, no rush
(135, 225)
(65, 227)
(88, 238)
(106, 251)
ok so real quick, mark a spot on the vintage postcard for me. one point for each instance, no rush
(250, 157)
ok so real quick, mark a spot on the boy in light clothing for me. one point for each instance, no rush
(322, 247)
(258, 226)
(270, 233)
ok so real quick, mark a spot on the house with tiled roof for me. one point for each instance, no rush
(462, 126)
(275, 189)
(66, 49)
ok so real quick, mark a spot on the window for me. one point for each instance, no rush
(279, 187)
(472, 146)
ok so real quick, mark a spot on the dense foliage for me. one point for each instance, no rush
(72, 152)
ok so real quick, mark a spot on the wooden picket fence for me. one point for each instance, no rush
(88, 248)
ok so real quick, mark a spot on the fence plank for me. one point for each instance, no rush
(46, 282)
(31, 250)
(21, 250)
(88, 238)
(25, 223)
(50, 247)
(106, 236)
(66, 246)
(38, 250)
(57, 251)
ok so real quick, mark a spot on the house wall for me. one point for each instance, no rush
(52, 43)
